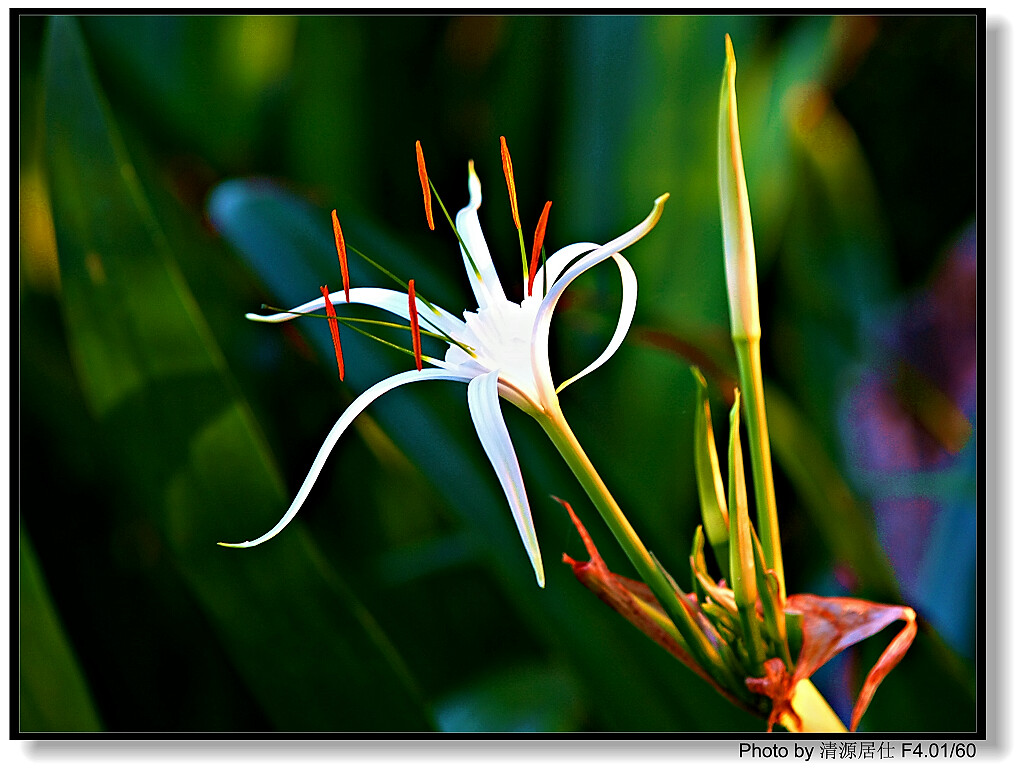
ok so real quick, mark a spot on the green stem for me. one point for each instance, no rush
(815, 714)
(748, 354)
(698, 645)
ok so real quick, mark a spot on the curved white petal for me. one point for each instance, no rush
(484, 280)
(626, 312)
(395, 302)
(542, 325)
(556, 264)
(485, 408)
(358, 406)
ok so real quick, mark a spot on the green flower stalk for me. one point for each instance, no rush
(737, 633)
(741, 281)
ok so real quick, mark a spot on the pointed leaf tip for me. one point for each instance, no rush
(737, 230)
(588, 542)
(710, 487)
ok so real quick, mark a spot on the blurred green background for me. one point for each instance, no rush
(177, 172)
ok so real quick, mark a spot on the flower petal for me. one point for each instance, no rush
(358, 406)
(485, 409)
(486, 286)
(628, 309)
(557, 263)
(383, 298)
(542, 325)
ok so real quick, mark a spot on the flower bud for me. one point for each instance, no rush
(737, 232)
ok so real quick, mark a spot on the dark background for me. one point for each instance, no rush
(177, 172)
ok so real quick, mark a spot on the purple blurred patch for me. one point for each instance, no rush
(908, 425)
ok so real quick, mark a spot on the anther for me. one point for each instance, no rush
(538, 242)
(332, 321)
(424, 184)
(339, 242)
(414, 325)
(506, 166)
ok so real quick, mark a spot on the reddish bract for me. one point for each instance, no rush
(831, 624)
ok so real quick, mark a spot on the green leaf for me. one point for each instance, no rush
(704, 585)
(697, 563)
(709, 649)
(741, 555)
(54, 693)
(710, 488)
(774, 624)
(192, 458)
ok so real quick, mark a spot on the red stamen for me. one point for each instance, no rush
(510, 179)
(538, 241)
(414, 324)
(332, 321)
(422, 165)
(339, 242)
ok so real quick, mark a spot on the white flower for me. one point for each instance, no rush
(500, 349)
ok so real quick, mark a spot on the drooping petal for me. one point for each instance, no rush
(485, 408)
(485, 284)
(358, 406)
(557, 263)
(603, 252)
(626, 312)
(383, 298)
(542, 325)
